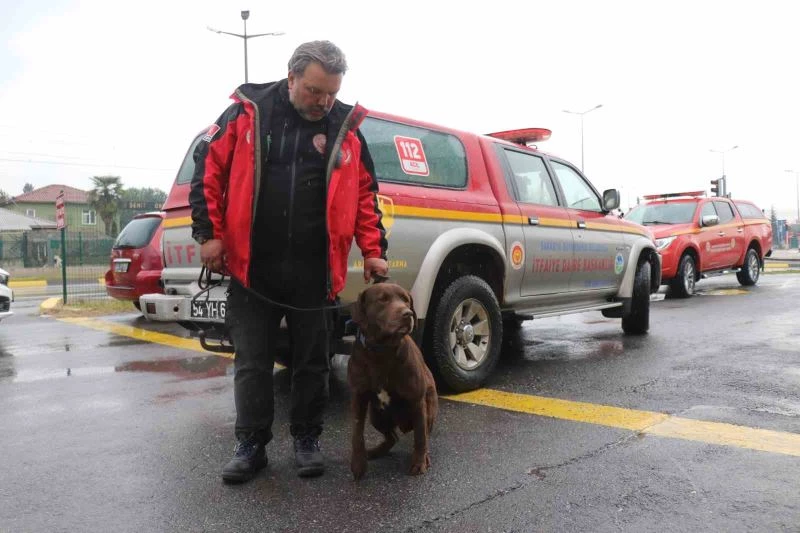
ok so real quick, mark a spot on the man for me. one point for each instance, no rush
(283, 182)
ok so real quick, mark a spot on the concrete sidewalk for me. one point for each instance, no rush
(792, 254)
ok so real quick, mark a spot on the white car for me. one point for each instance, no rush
(6, 295)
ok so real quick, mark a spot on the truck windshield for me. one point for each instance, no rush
(137, 233)
(673, 213)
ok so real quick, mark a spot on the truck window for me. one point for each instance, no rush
(530, 178)
(411, 154)
(749, 210)
(708, 209)
(578, 193)
(187, 167)
(724, 211)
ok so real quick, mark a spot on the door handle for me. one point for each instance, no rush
(721, 233)
(582, 224)
(533, 221)
(740, 230)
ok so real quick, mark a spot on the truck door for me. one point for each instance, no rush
(600, 252)
(729, 237)
(546, 224)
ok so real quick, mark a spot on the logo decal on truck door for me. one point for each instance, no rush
(517, 255)
(412, 156)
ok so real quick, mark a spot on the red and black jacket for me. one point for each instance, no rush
(228, 174)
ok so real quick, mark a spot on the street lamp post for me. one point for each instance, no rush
(797, 181)
(581, 113)
(723, 152)
(244, 37)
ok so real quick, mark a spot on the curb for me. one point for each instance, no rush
(27, 283)
(49, 304)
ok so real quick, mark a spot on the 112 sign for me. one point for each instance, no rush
(412, 156)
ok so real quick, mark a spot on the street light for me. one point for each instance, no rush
(581, 113)
(797, 180)
(245, 16)
(723, 152)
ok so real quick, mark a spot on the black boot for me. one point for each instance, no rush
(249, 457)
(307, 456)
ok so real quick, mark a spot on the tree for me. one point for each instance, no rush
(139, 200)
(104, 198)
(27, 188)
(4, 197)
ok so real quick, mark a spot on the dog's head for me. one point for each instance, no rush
(385, 313)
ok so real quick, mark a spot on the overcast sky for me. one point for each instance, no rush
(95, 87)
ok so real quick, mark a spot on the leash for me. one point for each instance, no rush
(206, 282)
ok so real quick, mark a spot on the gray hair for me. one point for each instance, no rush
(327, 54)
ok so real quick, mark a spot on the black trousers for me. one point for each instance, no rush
(254, 327)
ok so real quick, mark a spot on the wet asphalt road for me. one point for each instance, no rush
(102, 432)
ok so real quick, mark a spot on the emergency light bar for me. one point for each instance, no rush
(523, 136)
(693, 194)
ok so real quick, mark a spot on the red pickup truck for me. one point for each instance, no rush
(699, 236)
(483, 230)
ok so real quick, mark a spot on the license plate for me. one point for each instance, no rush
(212, 309)
(121, 266)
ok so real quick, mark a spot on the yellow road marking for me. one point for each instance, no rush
(645, 422)
(770, 264)
(18, 284)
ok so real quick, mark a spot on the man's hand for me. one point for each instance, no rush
(377, 266)
(212, 254)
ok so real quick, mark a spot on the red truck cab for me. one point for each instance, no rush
(699, 236)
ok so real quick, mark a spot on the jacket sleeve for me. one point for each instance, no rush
(212, 158)
(370, 233)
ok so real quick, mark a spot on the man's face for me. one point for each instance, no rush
(313, 93)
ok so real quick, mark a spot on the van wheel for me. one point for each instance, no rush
(466, 334)
(637, 320)
(682, 286)
(751, 268)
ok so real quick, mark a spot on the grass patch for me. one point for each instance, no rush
(102, 307)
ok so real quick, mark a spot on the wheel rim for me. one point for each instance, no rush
(688, 276)
(470, 334)
(752, 266)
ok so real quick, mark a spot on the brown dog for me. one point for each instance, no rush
(388, 377)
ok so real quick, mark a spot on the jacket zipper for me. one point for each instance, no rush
(291, 189)
(256, 140)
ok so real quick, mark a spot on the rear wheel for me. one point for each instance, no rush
(637, 319)
(682, 285)
(466, 334)
(751, 269)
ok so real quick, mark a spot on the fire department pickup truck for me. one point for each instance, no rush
(698, 237)
(482, 229)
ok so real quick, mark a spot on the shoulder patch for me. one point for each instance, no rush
(210, 132)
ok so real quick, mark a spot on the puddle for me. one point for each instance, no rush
(201, 367)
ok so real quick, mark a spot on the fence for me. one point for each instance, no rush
(35, 260)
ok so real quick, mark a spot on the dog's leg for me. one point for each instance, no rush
(389, 440)
(358, 457)
(420, 460)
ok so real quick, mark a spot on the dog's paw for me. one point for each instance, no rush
(420, 466)
(358, 466)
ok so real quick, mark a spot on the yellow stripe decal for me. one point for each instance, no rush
(404, 211)
(646, 422)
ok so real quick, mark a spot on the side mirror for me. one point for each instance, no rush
(709, 220)
(610, 200)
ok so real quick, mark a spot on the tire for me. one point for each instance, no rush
(682, 286)
(462, 355)
(137, 305)
(637, 320)
(751, 269)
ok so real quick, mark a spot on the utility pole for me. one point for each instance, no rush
(244, 37)
(581, 113)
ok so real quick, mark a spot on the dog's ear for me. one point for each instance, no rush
(357, 311)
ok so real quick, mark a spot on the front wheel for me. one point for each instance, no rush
(637, 320)
(466, 334)
(682, 285)
(751, 269)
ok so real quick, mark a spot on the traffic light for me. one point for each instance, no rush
(715, 189)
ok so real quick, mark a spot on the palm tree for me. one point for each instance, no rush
(104, 198)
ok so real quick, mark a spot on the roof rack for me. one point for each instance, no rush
(691, 194)
(523, 136)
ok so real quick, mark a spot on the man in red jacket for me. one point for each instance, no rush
(283, 183)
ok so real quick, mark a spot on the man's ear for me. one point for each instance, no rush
(357, 309)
